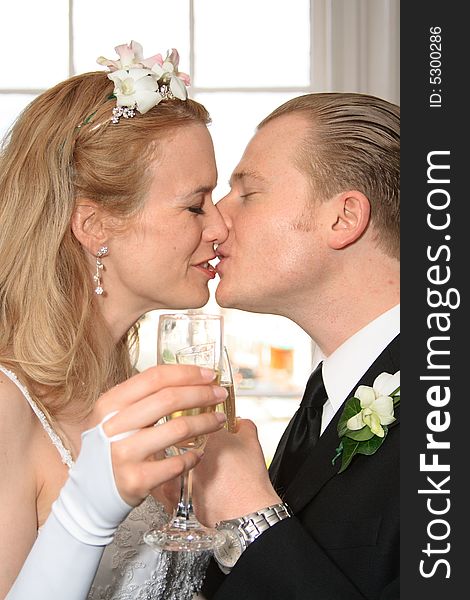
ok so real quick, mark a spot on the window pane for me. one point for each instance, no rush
(234, 120)
(10, 107)
(273, 354)
(241, 43)
(34, 57)
(157, 25)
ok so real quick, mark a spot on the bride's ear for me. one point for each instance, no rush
(350, 216)
(88, 225)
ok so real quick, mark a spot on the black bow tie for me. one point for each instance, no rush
(304, 431)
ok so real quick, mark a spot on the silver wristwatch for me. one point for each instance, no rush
(242, 532)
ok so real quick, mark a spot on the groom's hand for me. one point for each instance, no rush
(232, 480)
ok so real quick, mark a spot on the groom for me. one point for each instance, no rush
(313, 219)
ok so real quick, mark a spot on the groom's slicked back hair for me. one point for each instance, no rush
(352, 142)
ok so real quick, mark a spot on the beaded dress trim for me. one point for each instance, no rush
(55, 439)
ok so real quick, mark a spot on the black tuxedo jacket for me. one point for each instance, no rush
(343, 543)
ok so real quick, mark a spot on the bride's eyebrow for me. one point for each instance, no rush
(203, 189)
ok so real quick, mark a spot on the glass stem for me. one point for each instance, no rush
(184, 510)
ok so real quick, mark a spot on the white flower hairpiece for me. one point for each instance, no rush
(141, 83)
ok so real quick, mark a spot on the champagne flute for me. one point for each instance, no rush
(228, 405)
(197, 339)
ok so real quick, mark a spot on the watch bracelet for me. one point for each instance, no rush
(255, 523)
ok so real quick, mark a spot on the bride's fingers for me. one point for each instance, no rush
(141, 445)
(149, 382)
(151, 409)
(137, 480)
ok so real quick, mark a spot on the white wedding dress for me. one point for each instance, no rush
(129, 568)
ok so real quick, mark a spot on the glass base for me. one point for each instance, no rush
(183, 535)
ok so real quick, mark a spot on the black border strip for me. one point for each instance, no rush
(435, 246)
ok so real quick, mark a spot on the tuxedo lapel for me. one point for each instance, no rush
(318, 468)
(274, 466)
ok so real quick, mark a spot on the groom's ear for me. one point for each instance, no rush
(349, 217)
(88, 225)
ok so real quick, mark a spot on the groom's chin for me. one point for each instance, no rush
(225, 298)
(221, 299)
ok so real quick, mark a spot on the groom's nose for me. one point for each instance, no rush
(225, 206)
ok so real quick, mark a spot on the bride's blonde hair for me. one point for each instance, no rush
(64, 147)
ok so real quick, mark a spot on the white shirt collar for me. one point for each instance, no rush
(346, 365)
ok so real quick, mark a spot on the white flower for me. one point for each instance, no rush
(141, 83)
(376, 404)
(135, 88)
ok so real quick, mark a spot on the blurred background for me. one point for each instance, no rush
(245, 58)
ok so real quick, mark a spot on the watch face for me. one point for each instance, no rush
(228, 554)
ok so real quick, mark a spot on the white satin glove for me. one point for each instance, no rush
(63, 561)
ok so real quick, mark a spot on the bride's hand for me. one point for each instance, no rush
(138, 404)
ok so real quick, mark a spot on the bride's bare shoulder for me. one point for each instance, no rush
(18, 491)
(16, 416)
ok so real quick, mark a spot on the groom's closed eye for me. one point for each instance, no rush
(246, 195)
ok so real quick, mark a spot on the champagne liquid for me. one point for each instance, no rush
(200, 440)
(228, 407)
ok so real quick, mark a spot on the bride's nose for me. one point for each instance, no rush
(215, 230)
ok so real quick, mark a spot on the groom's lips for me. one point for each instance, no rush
(222, 258)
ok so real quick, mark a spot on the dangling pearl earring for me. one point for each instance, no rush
(103, 251)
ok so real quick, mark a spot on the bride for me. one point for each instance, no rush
(105, 214)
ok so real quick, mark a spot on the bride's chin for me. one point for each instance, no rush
(193, 300)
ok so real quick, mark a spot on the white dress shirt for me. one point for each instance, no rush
(343, 368)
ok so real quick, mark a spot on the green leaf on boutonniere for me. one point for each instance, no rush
(352, 447)
(372, 445)
(349, 449)
(361, 435)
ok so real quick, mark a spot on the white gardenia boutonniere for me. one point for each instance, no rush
(364, 421)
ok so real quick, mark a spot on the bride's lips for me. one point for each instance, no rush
(206, 268)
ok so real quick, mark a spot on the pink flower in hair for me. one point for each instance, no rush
(130, 57)
(174, 58)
